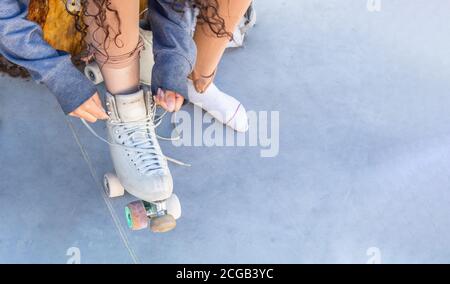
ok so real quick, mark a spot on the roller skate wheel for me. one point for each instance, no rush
(112, 186)
(93, 73)
(173, 206)
(162, 224)
(136, 215)
(73, 6)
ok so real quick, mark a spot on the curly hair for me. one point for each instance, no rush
(102, 8)
(208, 14)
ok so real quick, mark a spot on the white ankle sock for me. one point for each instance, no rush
(221, 106)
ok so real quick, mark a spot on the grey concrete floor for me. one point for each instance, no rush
(363, 171)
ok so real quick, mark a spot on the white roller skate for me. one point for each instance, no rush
(140, 165)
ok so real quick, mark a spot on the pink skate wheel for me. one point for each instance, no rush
(136, 215)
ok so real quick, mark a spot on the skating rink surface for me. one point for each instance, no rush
(362, 174)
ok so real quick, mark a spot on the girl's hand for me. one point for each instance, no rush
(91, 110)
(169, 100)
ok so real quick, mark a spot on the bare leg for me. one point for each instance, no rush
(210, 48)
(115, 44)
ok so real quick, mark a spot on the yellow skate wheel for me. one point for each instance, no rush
(162, 224)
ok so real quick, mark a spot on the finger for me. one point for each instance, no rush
(170, 98)
(80, 115)
(160, 99)
(84, 115)
(178, 102)
(73, 114)
(157, 99)
(91, 107)
(97, 100)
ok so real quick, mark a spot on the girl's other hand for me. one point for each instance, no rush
(91, 110)
(169, 100)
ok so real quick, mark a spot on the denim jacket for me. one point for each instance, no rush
(21, 42)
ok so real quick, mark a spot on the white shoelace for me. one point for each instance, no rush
(147, 157)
